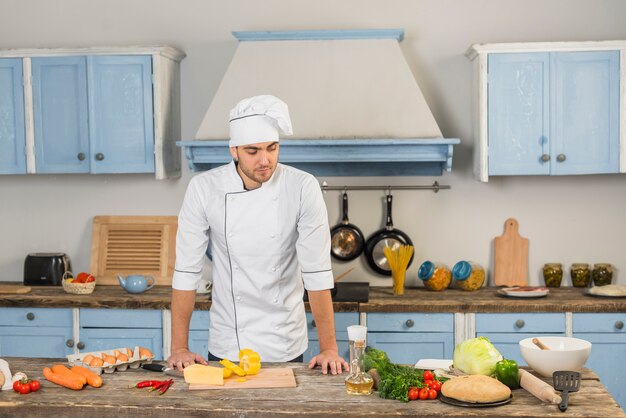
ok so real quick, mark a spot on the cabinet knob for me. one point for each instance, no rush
(619, 324)
(409, 323)
(30, 316)
(69, 343)
(520, 323)
(545, 158)
(99, 156)
(81, 156)
(561, 157)
(80, 345)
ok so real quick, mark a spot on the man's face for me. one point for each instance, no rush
(257, 162)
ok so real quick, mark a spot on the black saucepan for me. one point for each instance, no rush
(385, 237)
(346, 240)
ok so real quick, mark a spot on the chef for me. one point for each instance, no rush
(269, 238)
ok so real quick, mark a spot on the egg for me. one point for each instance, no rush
(96, 362)
(109, 360)
(87, 359)
(116, 353)
(129, 352)
(122, 357)
(145, 353)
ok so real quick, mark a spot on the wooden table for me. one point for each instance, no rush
(316, 395)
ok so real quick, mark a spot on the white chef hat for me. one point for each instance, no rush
(258, 119)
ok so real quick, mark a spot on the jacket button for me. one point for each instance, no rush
(230, 235)
(238, 298)
(273, 268)
(236, 267)
(275, 300)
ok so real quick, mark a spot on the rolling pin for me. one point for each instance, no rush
(538, 388)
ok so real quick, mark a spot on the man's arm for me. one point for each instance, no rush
(183, 302)
(322, 309)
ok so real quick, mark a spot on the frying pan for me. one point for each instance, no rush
(385, 237)
(346, 240)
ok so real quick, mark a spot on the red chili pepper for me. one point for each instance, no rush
(146, 384)
(159, 385)
(165, 387)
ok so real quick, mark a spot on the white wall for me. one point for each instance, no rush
(567, 219)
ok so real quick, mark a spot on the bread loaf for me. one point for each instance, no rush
(475, 389)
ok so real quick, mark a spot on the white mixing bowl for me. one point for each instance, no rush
(565, 353)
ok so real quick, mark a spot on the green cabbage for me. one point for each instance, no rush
(476, 356)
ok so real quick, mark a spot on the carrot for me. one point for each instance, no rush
(62, 379)
(92, 378)
(61, 369)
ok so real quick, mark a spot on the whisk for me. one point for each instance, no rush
(398, 258)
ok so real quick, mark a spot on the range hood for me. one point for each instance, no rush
(355, 106)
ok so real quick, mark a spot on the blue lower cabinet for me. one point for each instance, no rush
(36, 332)
(342, 321)
(199, 333)
(506, 330)
(113, 328)
(607, 336)
(409, 337)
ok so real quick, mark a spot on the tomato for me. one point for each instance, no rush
(428, 375)
(435, 385)
(16, 385)
(423, 393)
(24, 389)
(34, 385)
(432, 394)
(413, 393)
(84, 277)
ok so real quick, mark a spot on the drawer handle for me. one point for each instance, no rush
(519, 323)
(545, 158)
(69, 343)
(99, 156)
(80, 345)
(30, 316)
(561, 157)
(619, 324)
(409, 323)
(81, 156)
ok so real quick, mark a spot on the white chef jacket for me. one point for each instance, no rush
(268, 245)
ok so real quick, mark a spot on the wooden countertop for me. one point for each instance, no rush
(566, 299)
(315, 395)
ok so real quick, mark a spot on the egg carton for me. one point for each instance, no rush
(134, 361)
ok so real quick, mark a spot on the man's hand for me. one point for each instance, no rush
(181, 358)
(329, 359)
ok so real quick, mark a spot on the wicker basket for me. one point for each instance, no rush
(77, 288)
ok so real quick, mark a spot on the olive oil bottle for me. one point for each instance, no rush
(358, 382)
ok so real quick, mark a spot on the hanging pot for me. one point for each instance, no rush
(385, 237)
(346, 240)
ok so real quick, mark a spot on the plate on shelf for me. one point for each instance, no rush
(608, 291)
(524, 292)
(456, 402)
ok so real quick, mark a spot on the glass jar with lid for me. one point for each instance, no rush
(602, 274)
(581, 275)
(468, 275)
(436, 276)
(552, 274)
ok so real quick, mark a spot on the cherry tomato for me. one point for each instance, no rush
(436, 385)
(432, 394)
(24, 389)
(34, 385)
(423, 393)
(428, 375)
(16, 385)
(413, 393)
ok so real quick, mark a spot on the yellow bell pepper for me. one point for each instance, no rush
(249, 361)
(233, 367)
(227, 372)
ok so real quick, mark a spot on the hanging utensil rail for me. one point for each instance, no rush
(435, 187)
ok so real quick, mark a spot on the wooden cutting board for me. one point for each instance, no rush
(510, 250)
(14, 289)
(281, 377)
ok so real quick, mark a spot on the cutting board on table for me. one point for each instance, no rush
(14, 289)
(281, 377)
(510, 251)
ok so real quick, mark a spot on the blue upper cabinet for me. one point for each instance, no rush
(548, 108)
(90, 110)
(12, 137)
(60, 114)
(120, 113)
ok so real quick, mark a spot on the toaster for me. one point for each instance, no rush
(45, 269)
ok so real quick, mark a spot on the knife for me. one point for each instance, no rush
(154, 367)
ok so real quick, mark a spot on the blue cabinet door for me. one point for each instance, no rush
(199, 333)
(342, 321)
(121, 116)
(12, 138)
(97, 339)
(518, 117)
(607, 336)
(585, 122)
(60, 114)
(36, 332)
